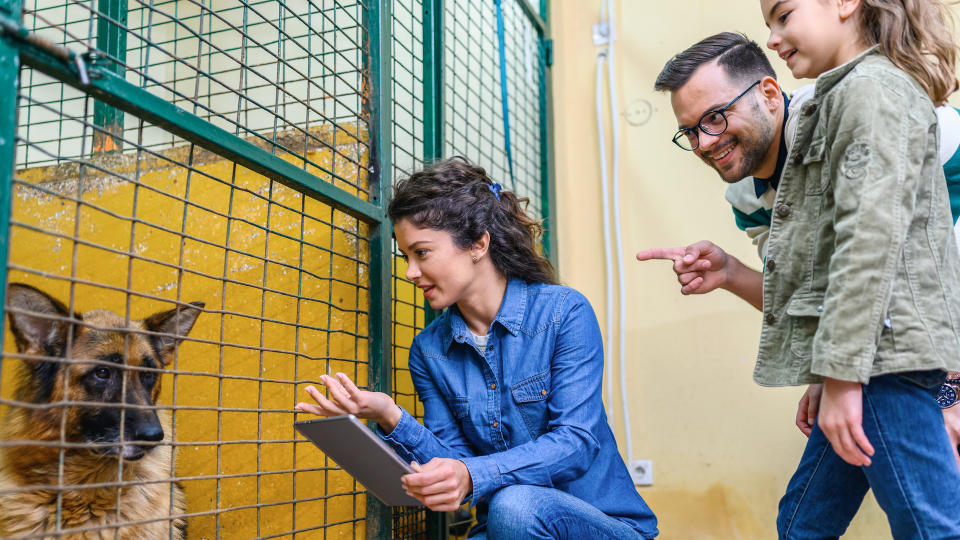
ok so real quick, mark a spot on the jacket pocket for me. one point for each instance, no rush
(804, 312)
(816, 178)
(531, 395)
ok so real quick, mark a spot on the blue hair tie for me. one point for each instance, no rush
(495, 189)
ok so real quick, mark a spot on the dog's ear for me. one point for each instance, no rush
(174, 325)
(37, 323)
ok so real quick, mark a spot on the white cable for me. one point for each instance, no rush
(618, 243)
(601, 56)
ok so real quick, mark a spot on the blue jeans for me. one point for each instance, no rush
(526, 512)
(913, 474)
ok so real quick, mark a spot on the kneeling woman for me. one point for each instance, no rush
(509, 375)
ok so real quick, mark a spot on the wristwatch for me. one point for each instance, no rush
(949, 394)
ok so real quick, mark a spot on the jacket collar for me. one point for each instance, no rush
(510, 315)
(829, 79)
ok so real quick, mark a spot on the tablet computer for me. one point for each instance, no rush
(358, 450)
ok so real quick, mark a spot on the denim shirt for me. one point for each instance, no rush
(862, 275)
(527, 410)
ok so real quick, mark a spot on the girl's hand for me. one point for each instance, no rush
(441, 484)
(346, 398)
(951, 418)
(841, 419)
(808, 407)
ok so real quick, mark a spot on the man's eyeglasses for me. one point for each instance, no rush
(712, 123)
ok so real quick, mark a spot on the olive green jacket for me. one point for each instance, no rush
(862, 275)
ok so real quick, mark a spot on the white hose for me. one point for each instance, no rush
(617, 253)
(618, 243)
(601, 56)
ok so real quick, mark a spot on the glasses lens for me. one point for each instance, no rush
(687, 139)
(714, 123)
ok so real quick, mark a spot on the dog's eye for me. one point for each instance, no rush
(147, 378)
(102, 373)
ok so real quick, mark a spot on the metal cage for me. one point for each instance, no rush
(156, 153)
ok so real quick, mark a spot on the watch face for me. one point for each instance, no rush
(947, 396)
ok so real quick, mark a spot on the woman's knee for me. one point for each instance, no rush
(513, 513)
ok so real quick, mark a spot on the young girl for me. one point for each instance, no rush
(509, 375)
(862, 273)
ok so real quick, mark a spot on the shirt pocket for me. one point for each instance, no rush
(459, 406)
(530, 396)
(817, 177)
(804, 312)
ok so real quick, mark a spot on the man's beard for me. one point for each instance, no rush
(752, 150)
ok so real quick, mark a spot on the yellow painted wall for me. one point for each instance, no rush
(722, 447)
(253, 370)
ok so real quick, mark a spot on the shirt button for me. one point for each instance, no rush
(495, 424)
(783, 210)
(770, 318)
(493, 387)
(771, 265)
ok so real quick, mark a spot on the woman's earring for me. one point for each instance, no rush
(475, 259)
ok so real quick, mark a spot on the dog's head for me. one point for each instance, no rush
(97, 362)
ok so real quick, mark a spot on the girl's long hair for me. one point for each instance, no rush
(918, 37)
(458, 197)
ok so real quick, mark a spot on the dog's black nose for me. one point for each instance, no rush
(148, 432)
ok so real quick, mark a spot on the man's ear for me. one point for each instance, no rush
(772, 93)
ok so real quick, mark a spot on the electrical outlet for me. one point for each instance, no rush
(641, 470)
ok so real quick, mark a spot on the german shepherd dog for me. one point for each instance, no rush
(112, 432)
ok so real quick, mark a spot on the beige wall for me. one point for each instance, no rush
(722, 447)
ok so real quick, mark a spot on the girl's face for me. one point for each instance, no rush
(435, 264)
(812, 36)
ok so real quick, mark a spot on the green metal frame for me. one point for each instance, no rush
(379, 13)
(9, 83)
(112, 40)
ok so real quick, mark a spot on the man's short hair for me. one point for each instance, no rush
(739, 56)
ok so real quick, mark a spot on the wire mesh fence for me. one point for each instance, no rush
(169, 300)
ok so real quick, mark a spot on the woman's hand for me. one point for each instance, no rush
(441, 484)
(346, 398)
(808, 407)
(841, 419)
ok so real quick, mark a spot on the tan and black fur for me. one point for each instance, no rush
(102, 349)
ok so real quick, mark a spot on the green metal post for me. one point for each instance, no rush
(379, 106)
(112, 40)
(432, 151)
(9, 83)
(433, 140)
(548, 197)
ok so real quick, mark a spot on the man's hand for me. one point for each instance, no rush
(441, 484)
(703, 267)
(841, 419)
(346, 398)
(808, 407)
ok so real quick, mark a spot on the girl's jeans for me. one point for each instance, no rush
(913, 474)
(528, 512)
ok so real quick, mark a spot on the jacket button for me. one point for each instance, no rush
(770, 318)
(495, 424)
(771, 265)
(798, 158)
(810, 109)
(783, 210)
(543, 392)
(493, 387)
